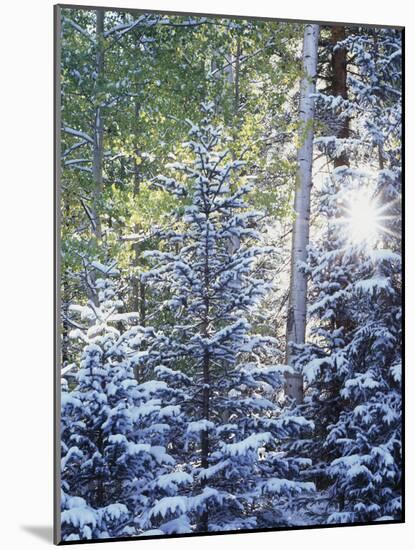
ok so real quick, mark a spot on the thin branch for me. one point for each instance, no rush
(89, 214)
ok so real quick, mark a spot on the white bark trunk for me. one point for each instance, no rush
(296, 320)
(98, 128)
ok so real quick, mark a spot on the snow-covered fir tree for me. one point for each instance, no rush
(114, 430)
(352, 362)
(206, 283)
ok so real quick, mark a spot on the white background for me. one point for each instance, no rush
(26, 272)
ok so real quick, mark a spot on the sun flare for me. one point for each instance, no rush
(363, 219)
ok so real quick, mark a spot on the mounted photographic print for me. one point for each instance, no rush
(228, 274)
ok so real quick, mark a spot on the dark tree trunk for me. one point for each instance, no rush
(204, 435)
(339, 85)
(142, 304)
(339, 88)
(204, 520)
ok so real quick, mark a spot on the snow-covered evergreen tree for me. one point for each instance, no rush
(352, 362)
(205, 278)
(114, 430)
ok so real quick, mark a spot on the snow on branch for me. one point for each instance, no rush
(78, 28)
(77, 133)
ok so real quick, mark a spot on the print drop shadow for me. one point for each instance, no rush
(43, 532)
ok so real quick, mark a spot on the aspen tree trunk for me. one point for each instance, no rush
(136, 284)
(98, 152)
(296, 319)
(228, 71)
(237, 75)
(65, 344)
(65, 301)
